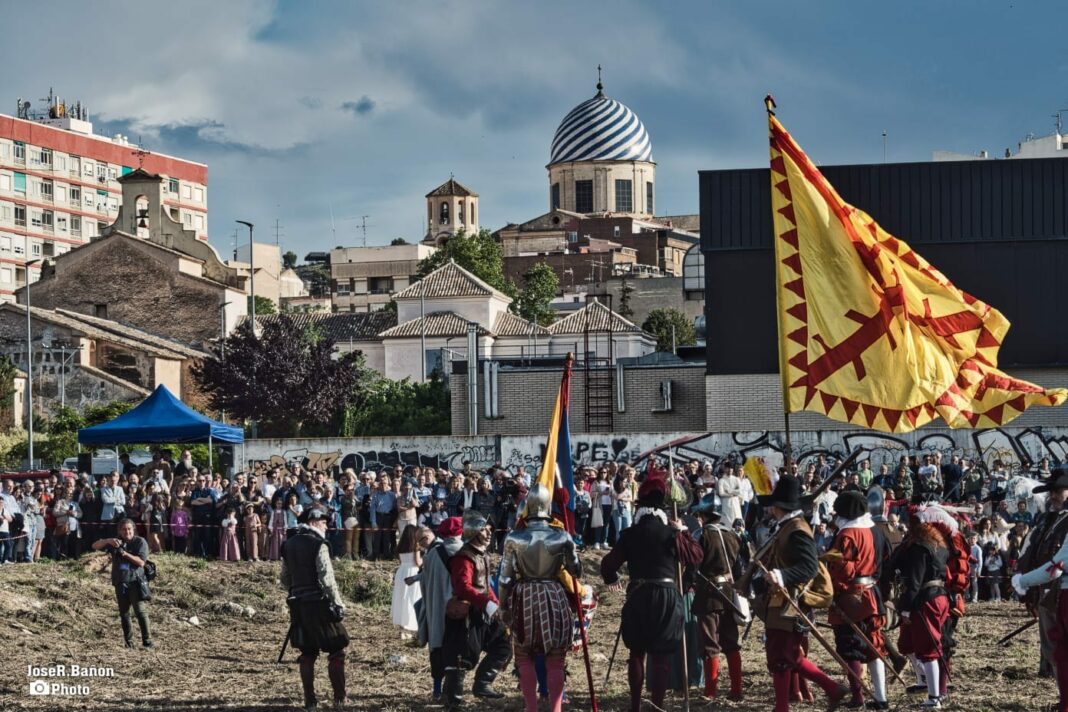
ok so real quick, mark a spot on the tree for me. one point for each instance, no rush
(8, 371)
(625, 290)
(289, 260)
(284, 379)
(660, 322)
(534, 302)
(402, 408)
(398, 241)
(264, 306)
(479, 254)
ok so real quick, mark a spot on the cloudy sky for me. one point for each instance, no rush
(301, 109)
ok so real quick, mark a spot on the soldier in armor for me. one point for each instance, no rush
(475, 626)
(315, 606)
(534, 601)
(888, 538)
(792, 561)
(717, 627)
(923, 602)
(1050, 573)
(853, 562)
(652, 618)
(1043, 541)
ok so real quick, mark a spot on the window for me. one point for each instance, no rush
(624, 196)
(88, 169)
(460, 213)
(572, 237)
(61, 223)
(5, 275)
(343, 289)
(75, 195)
(45, 189)
(20, 215)
(5, 213)
(4, 150)
(555, 196)
(102, 172)
(112, 174)
(35, 249)
(20, 153)
(36, 219)
(100, 311)
(430, 214)
(5, 243)
(649, 206)
(187, 192)
(434, 361)
(198, 195)
(60, 162)
(174, 215)
(5, 182)
(47, 217)
(76, 225)
(18, 248)
(75, 166)
(472, 222)
(187, 219)
(172, 186)
(41, 157)
(379, 285)
(61, 193)
(20, 183)
(199, 222)
(113, 204)
(615, 231)
(584, 196)
(444, 213)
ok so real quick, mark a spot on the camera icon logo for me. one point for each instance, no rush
(39, 687)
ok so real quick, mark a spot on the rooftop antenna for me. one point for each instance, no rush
(1059, 123)
(363, 226)
(600, 85)
(277, 233)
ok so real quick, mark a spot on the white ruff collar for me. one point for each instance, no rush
(862, 522)
(652, 511)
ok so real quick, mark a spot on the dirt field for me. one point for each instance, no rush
(64, 614)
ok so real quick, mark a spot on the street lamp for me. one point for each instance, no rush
(29, 358)
(252, 291)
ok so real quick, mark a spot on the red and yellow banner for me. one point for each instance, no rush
(870, 333)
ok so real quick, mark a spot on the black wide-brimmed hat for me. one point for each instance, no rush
(786, 495)
(1058, 479)
(850, 505)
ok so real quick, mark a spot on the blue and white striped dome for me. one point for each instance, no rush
(601, 129)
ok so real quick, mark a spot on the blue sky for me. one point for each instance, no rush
(360, 108)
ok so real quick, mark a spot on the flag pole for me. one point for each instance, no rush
(788, 453)
(682, 588)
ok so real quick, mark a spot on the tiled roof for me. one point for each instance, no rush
(508, 324)
(449, 280)
(595, 317)
(343, 326)
(451, 187)
(437, 324)
(128, 385)
(132, 333)
(116, 333)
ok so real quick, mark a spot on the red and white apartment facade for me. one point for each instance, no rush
(59, 189)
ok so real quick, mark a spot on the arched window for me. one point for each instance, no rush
(460, 213)
(430, 214)
(472, 221)
(444, 213)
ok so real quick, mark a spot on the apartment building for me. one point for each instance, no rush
(364, 279)
(59, 186)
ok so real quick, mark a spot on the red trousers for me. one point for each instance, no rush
(922, 635)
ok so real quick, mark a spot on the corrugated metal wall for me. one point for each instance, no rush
(997, 229)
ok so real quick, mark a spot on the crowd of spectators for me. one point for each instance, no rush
(182, 508)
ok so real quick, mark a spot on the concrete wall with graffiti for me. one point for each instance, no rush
(1013, 446)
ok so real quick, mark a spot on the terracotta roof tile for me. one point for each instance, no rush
(449, 280)
(437, 324)
(595, 317)
(508, 324)
(451, 187)
(343, 326)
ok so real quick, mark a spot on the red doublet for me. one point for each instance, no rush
(857, 561)
(463, 575)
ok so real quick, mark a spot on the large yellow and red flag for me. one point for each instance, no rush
(869, 332)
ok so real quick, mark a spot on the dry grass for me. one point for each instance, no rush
(65, 613)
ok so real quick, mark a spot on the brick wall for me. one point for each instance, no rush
(526, 398)
(754, 402)
(137, 290)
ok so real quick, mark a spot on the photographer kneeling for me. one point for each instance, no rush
(128, 556)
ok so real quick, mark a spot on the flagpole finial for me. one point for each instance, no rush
(769, 104)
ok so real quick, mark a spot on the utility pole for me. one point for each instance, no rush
(252, 291)
(363, 226)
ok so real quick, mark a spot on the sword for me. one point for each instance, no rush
(612, 660)
(1016, 632)
(869, 643)
(814, 629)
(285, 644)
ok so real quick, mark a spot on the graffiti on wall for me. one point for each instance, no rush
(373, 453)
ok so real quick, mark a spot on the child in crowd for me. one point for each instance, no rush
(402, 609)
(251, 522)
(277, 527)
(993, 571)
(264, 514)
(435, 516)
(975, 558)
(180, 525)
(229, 549)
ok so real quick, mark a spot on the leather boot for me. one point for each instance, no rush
(335, 668)
(483, 686)
(307, 681)
(452, 689)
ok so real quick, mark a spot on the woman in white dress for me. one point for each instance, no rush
(405, 595)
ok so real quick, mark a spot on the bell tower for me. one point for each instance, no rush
(450, 208)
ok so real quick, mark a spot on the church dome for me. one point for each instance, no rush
(601, 129)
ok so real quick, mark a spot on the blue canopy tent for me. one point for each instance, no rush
(161, 418)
